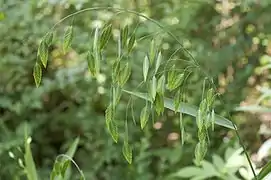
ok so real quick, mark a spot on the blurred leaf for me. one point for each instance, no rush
(30, 166)
(254, 108)
(144, 116)
(37, 73)
(265, 171)
(145, 67)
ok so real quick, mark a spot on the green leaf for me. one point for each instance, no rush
(218, 162)
(68, 36)
(72, 149)
(113, 130)
(30, 167)
(124, 36)
(124, 74)
(144, 116)
(152, 88)
(158, 61)
(70, 152)
(177, 100)
(91, 63)
(265, 171)
(82, 177)
(188, 172)
(37, 74)
(145, 67)
(64, 167)
(131, 43)
(254, 108)
(186, 109)
(170, 77)
(53, 175)
(152, 52)
(57, 167)
(106, 34)
(48, 38)
(43, 53)
(161, 85)
(175, 80)
(159, 103)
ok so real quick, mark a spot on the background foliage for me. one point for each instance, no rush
(230, 39)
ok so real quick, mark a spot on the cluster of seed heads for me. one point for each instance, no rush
(156, 81)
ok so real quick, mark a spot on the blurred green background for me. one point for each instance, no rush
(230, 39)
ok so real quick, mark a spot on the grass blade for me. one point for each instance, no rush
(30, 166)
(265, 171)
(186, 109)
